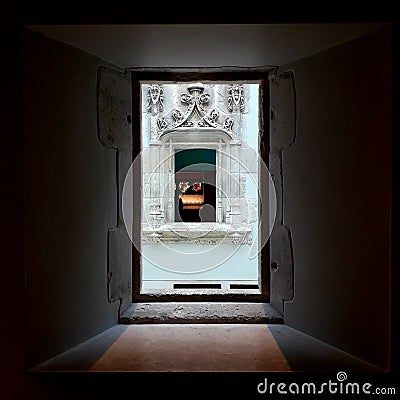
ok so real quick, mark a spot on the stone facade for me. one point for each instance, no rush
(180, 116)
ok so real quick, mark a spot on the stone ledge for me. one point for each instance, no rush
(201, 313)
(198, 233)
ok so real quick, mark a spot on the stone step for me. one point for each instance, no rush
(200, 313)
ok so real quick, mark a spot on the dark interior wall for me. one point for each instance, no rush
(337, 197)
(69, 199)
(11, 242)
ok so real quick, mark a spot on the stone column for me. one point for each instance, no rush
(155, 207)
(218, 178)
(234, 183)
(171, 181)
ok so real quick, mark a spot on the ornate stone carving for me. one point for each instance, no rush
(195, 115)
(195, 100)
(177, 116)
(161, 124)
(235, 98)
(155, 98)
(210, 119)
(228, 123)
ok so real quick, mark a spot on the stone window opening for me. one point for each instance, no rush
(200, 155)
(198, 118)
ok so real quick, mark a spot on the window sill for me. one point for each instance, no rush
(198, 233)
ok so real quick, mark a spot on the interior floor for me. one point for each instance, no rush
(177, 360)
(204, 348)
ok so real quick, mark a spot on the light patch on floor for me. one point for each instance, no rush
(197, 348)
